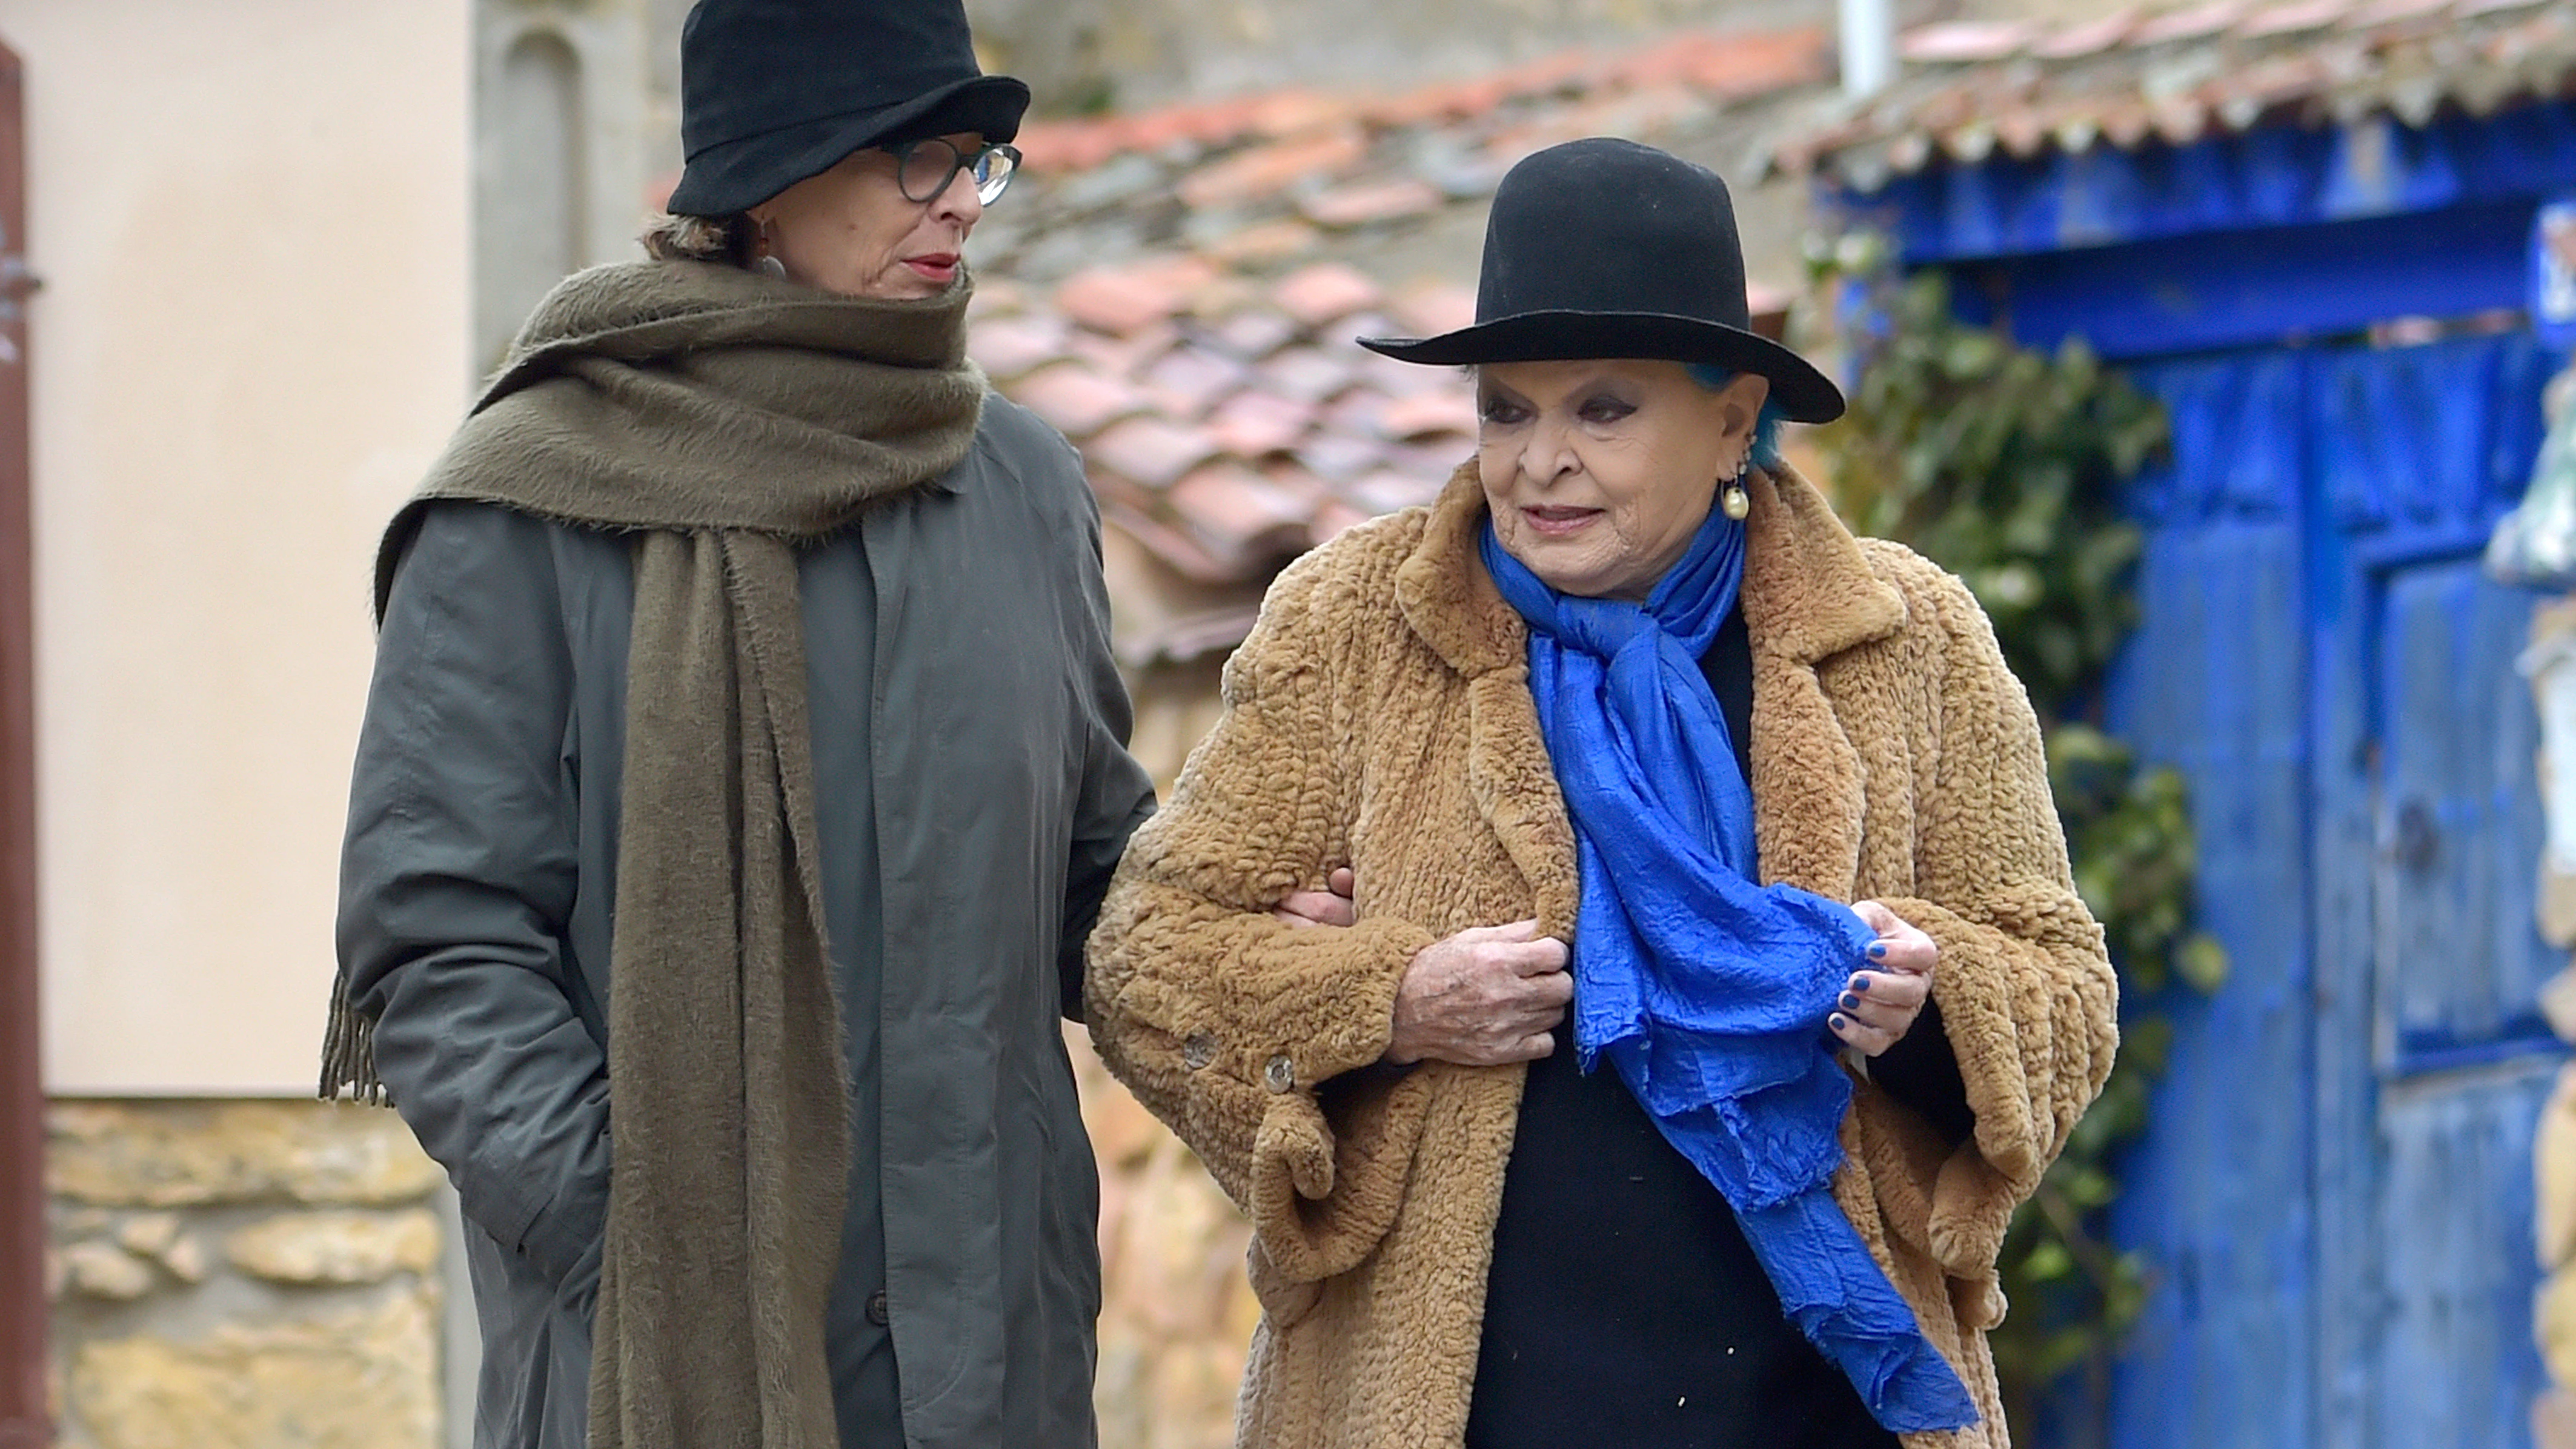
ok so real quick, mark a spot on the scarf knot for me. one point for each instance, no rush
(1707, 992)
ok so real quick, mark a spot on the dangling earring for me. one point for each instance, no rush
(1734, 499)
(767, 263)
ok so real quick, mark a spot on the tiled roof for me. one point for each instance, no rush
(1970, 89)
(1227, 425)
(1177, 290)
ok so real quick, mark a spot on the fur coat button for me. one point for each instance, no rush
(1281, 1074)
(1198, 1051)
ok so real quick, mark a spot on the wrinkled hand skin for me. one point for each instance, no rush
(1485, 996)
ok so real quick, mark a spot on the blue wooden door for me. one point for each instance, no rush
(2337, 1189)
(2459, 1058)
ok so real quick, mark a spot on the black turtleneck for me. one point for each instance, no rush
(1624, 1306)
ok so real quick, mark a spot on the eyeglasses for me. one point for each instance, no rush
(925, 169)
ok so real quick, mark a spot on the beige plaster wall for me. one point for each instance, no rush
(251, 220)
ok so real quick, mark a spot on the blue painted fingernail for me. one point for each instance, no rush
(1860, 983)
(1837, 1022)
(1878, 950)
(1850, 1002)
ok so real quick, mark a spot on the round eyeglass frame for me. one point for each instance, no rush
(993, 167)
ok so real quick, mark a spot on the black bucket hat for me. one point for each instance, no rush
(774, 91)
(1605, 248)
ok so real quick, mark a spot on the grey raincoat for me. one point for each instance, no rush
(974, 793)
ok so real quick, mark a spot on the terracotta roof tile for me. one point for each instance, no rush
(1190, 380)
(1250, 424)
(1358, 412)
(1273, 168)
(2197, 22)
(1433, 104)
(1078, 401)
(1432, 462)
(1325, 293)
(1238, 510)
(1189, 637)
(1262, 244)
(1251, 336)
(1432, 310)
(1402, 379)
(2089, 38)
(1306, 374)
(1429, 414)
(1965, 40)
(1290, 112)
(1293, 479)
(1188, 326)
(1008, 347)
(1363, 203)
(1123, 356)
(2391, 12)
(1339, 457)
(2292, 18)
(1387, 490)
(1152, 452)
(1178, 547)
(1128, 300)
(2186, 71)
(1335, 517)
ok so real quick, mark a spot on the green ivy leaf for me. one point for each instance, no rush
(2203, 963)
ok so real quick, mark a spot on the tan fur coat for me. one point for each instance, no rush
(1380, 716)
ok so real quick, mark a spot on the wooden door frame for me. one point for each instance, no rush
(25, 1413)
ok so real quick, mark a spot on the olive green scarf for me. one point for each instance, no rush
(724, 418)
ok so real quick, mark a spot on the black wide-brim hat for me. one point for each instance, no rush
(1603, 248)
(774, 91)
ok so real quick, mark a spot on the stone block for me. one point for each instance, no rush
(336, 1247)
(2558, 993)
(2553, 1421)
(365, 1379)
(104, 1270)
(195, 1153)
(1123, 1133)
(2554, 1325)
(1182, 1243)
(186, 1260)
(149, 1234)
(2553, 1172)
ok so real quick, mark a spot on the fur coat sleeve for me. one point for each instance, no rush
(1223, 1019)
(2025, 990)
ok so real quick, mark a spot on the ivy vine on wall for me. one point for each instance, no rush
(2005, 465)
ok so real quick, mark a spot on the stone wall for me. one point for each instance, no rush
(2553, 633)
(1177, 1314)
(243, 1275)
(267, 1275)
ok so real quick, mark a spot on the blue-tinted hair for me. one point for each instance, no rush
(1766, 428)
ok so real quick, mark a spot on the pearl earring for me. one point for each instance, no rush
(1734, 499)
(767, 263)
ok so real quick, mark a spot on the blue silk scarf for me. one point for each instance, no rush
(1708, 992)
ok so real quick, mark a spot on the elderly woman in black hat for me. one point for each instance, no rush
(1717, 985)
(742, 771)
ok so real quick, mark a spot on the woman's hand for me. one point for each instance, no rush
(1486, 996)
(1328, 907)
(1879, 1005)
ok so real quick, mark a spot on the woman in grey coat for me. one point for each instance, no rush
(742, 770)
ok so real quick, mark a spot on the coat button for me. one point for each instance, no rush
(1198, 1051)
(1281, 1074)
(877, 1313)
